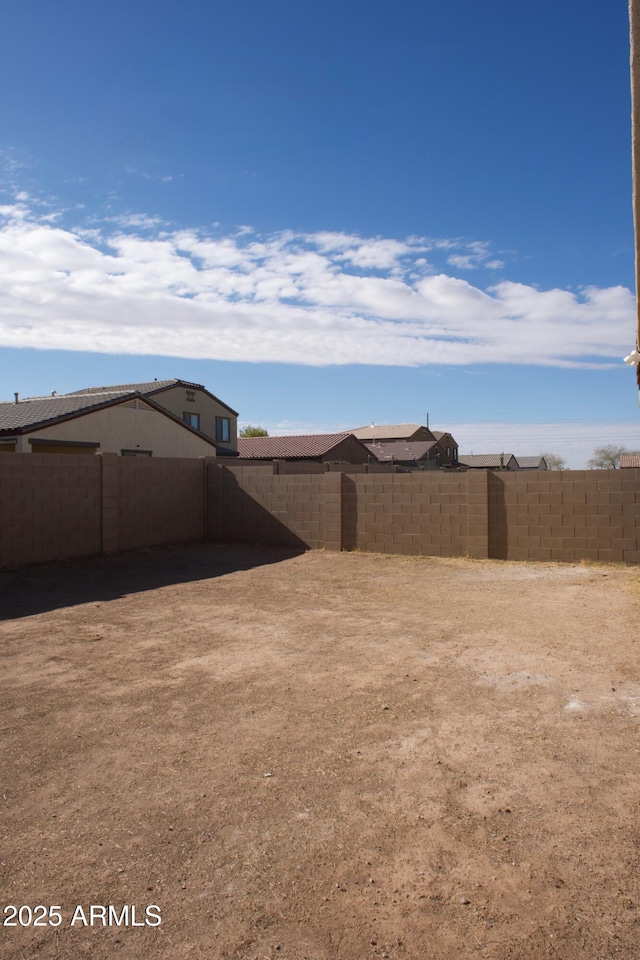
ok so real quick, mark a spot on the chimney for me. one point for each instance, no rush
(17, 396)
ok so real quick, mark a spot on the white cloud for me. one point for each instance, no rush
(134, 285)
(461, 261)
(137, 220)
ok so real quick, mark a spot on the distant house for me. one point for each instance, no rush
(126, 423)
(532, 463)
(628, 460)
(402, 437)
(190, 402)
(488, 461)
(417, 454)
(319, 447)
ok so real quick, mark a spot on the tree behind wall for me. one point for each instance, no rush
(554, 462)
(608, 457)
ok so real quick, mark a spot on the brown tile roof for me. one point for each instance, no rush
(289, 448)
(390, 431)
(630, 459)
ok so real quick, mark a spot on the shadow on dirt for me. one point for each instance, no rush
(50, 586)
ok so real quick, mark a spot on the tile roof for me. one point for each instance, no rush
(402, 451)
(531, 463)
(288, 448)
(150, 387)
(391, 431)
(630, 460)
(490, 460)
(34, 411)
(147, 387)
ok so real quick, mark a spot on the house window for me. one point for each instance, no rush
(191, 396)
(193, 419)
(223, 429)
(455, 453)
(449, 451)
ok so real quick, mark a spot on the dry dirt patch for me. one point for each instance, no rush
(322, 756)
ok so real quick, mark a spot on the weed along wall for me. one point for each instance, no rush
(56, 507)
(571, 515)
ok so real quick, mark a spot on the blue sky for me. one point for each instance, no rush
(329, 214)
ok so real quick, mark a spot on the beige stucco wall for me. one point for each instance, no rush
(130, 426)
(175, 400)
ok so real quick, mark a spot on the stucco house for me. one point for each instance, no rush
(448, 445)
(190, 402)
(126, 423)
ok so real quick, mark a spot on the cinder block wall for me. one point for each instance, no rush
(566, 515)
(55, 507)
(50, 507)
(159, 501)
(309, 466)
(411, 513)
(252, 504)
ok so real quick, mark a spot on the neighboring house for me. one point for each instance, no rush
(419, 454)
(532, 463)
(126, 423)
(488, 461)
(629, 460)
(320, 447)
(190, 402)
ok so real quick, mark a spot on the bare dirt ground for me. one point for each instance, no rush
(320, 756)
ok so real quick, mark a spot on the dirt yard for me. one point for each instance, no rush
(319, 756)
